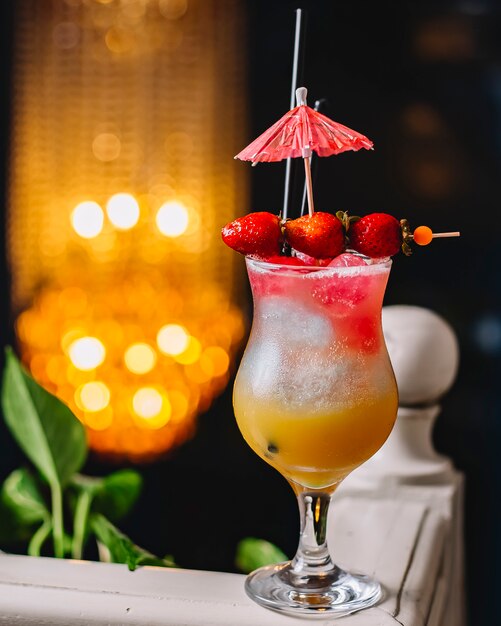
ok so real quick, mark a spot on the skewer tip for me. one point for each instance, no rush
(423, 235)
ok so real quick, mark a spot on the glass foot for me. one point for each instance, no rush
(336, 594)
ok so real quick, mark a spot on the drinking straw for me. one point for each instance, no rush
(295, 70)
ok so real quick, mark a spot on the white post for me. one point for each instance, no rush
(424, 353)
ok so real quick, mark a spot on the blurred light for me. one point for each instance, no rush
(179, 404)
(422, 119)
(93, 396)
(56, 370)
(191, 354)
(106, 147)
(147, 402)
(133, 11)
(173, 339)
(446, 38)
(87, 219)
(93, 314)
(173, 9)
(215, 361)
(99, 420)
(123, 211)
(172, 219)
(66, 35)
(487, 334)
(120, 40)
(87, 353)
(152, 407)
(140, 358)
(179, 144)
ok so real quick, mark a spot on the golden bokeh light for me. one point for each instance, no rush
(179, 405)
(99, 420)
(120, 40)
(123, 211)
(181, 369)
(152, 407)
(173, 9)
(173, 339)
(191, 353)
(123, 295)
(215, 361)
(172, 219)
(147, 402)
(66, 35)
(106, 147)
(87, 353)
(140, 358)
(93, 396)
(87, 219)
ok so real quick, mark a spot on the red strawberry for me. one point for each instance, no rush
(319, 236)
(258, 234)
(376, 235)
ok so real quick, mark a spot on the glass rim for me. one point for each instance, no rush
(379, 264)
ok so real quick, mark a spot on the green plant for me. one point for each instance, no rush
(253, 553)
(52, 499)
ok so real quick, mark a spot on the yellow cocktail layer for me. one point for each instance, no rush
(321, 449)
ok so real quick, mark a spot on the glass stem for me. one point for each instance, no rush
(312, 557)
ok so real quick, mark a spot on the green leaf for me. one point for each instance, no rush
(39, 537)
(121, 548)
(115, 494)
(21, 495)
(253, 553)
(11, 532)
(45, 428)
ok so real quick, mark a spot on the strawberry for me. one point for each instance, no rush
(258, 234)
(319, 236)
(376, 235)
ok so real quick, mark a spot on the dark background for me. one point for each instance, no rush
(423, 81)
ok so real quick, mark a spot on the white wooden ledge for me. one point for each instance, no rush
(400, 540)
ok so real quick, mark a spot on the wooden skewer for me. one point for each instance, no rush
(309, 186)
(423, 235)
(452, 234)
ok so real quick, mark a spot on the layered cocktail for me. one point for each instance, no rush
(315, 396)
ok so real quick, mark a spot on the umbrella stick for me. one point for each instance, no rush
(309, 186)
(318, 104)
(295, 66)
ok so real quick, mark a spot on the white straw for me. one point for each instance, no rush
(295, 64)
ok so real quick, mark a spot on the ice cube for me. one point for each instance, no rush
(312, 382)
(347, 260)
(293, 324)
(344, 290)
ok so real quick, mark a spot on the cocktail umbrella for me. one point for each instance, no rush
(300, 132)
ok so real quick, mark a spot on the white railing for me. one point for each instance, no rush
(398, 518)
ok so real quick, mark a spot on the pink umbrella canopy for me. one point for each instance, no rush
(300, 132)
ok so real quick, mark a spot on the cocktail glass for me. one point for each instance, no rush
(315, 396)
